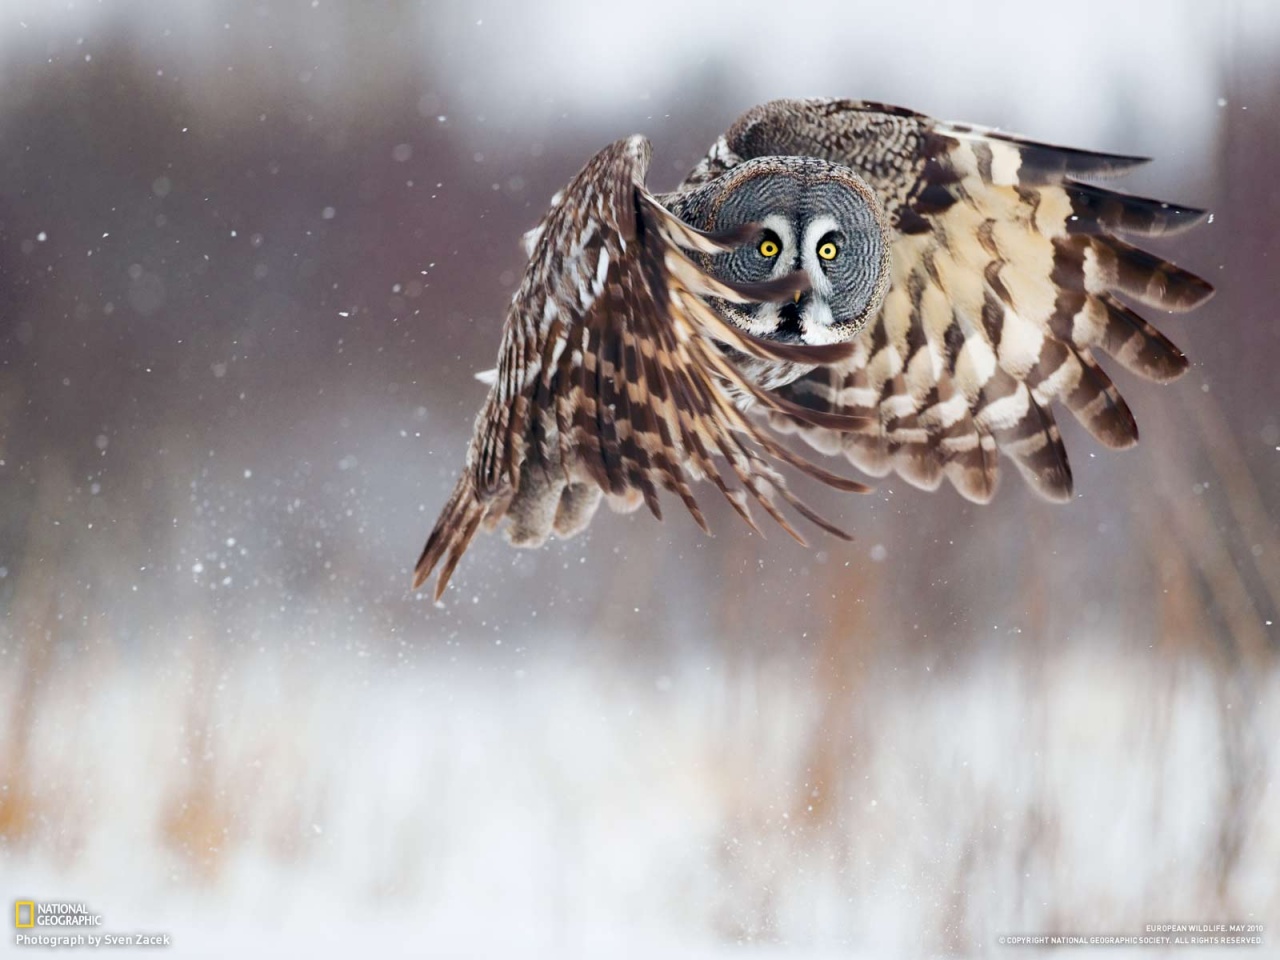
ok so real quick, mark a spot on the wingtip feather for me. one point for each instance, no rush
(450, 537)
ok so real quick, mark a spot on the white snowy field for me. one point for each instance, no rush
(334, 804)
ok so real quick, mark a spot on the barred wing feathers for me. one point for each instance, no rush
(1005, 275)
(609, 382)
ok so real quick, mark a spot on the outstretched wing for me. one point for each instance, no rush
(609, 381)
(1005, 275)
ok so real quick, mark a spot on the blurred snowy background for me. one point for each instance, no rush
(250, 256)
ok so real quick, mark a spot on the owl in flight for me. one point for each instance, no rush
(915, 295)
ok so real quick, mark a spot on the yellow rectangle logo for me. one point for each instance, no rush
(31, 913)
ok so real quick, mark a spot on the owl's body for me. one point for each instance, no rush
(912, 294)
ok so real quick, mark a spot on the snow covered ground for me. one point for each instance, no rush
(333, 805)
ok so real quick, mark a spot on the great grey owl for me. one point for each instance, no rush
(913, 294)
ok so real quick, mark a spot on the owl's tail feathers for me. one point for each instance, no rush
(458, 523)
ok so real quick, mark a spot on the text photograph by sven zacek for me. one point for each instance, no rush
(262, 282)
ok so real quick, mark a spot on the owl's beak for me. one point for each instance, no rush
(797, 296)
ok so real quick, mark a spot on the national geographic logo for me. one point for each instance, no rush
(53, 913)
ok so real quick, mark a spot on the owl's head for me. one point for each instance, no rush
(809, 215)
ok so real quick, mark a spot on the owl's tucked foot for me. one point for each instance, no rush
(532, 510)
(578, 503)
(546, 504)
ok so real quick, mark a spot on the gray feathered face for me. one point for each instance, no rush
(812, 216)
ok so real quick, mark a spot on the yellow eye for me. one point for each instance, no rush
(769, 248)
(828, 251)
